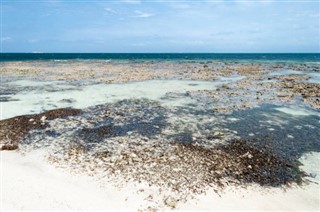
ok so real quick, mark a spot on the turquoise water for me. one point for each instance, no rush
(227, 57)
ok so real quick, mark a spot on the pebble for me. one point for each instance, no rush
(290, 136)
(43, 118)
(218, 134)
(136, 159)
(171, 202)
(313, 175)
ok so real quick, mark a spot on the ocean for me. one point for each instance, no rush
(224, 57)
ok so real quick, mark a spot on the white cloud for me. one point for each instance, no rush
(109, 10)
(32, 40)
(140, 14)
(6, 38)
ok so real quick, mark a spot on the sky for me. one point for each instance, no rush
(223, 26)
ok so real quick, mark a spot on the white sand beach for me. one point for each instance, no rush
(29, 183)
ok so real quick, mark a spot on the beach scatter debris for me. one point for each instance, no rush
(134, 141)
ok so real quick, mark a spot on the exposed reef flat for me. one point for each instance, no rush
(262, 82)
(181, 129)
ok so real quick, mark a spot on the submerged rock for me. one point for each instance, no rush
(71, 100)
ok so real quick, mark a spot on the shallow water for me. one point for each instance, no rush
(285, 72)
(35, 96)
(314, 76)
(298, 111)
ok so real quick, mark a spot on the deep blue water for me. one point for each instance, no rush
(232, 57)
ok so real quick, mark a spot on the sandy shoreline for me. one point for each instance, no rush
(43, 187)
(143, 132)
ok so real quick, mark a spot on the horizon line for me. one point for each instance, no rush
(160, 52)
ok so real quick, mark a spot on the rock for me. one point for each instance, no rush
(136, 159)
(123, 162)
(68, 100)
(133, 155)
(290, 136)
(248, 155)
(218, 134)
(43, 118)
(225, 87)
(172, 158)
(313, 175)
(171, 202)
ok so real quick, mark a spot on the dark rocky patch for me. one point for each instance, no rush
(259, 165)
(310, 92)
(185, 137)
(236, 162)
(96, 135)
(13, 130)
(305, 131)
(126, 117)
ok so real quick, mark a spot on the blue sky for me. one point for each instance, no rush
(160, 26)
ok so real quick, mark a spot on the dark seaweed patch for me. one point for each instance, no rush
(14, 130)
(141, 117)
(260, 165)
(96, 135)
(185, 137)
(289, 139)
